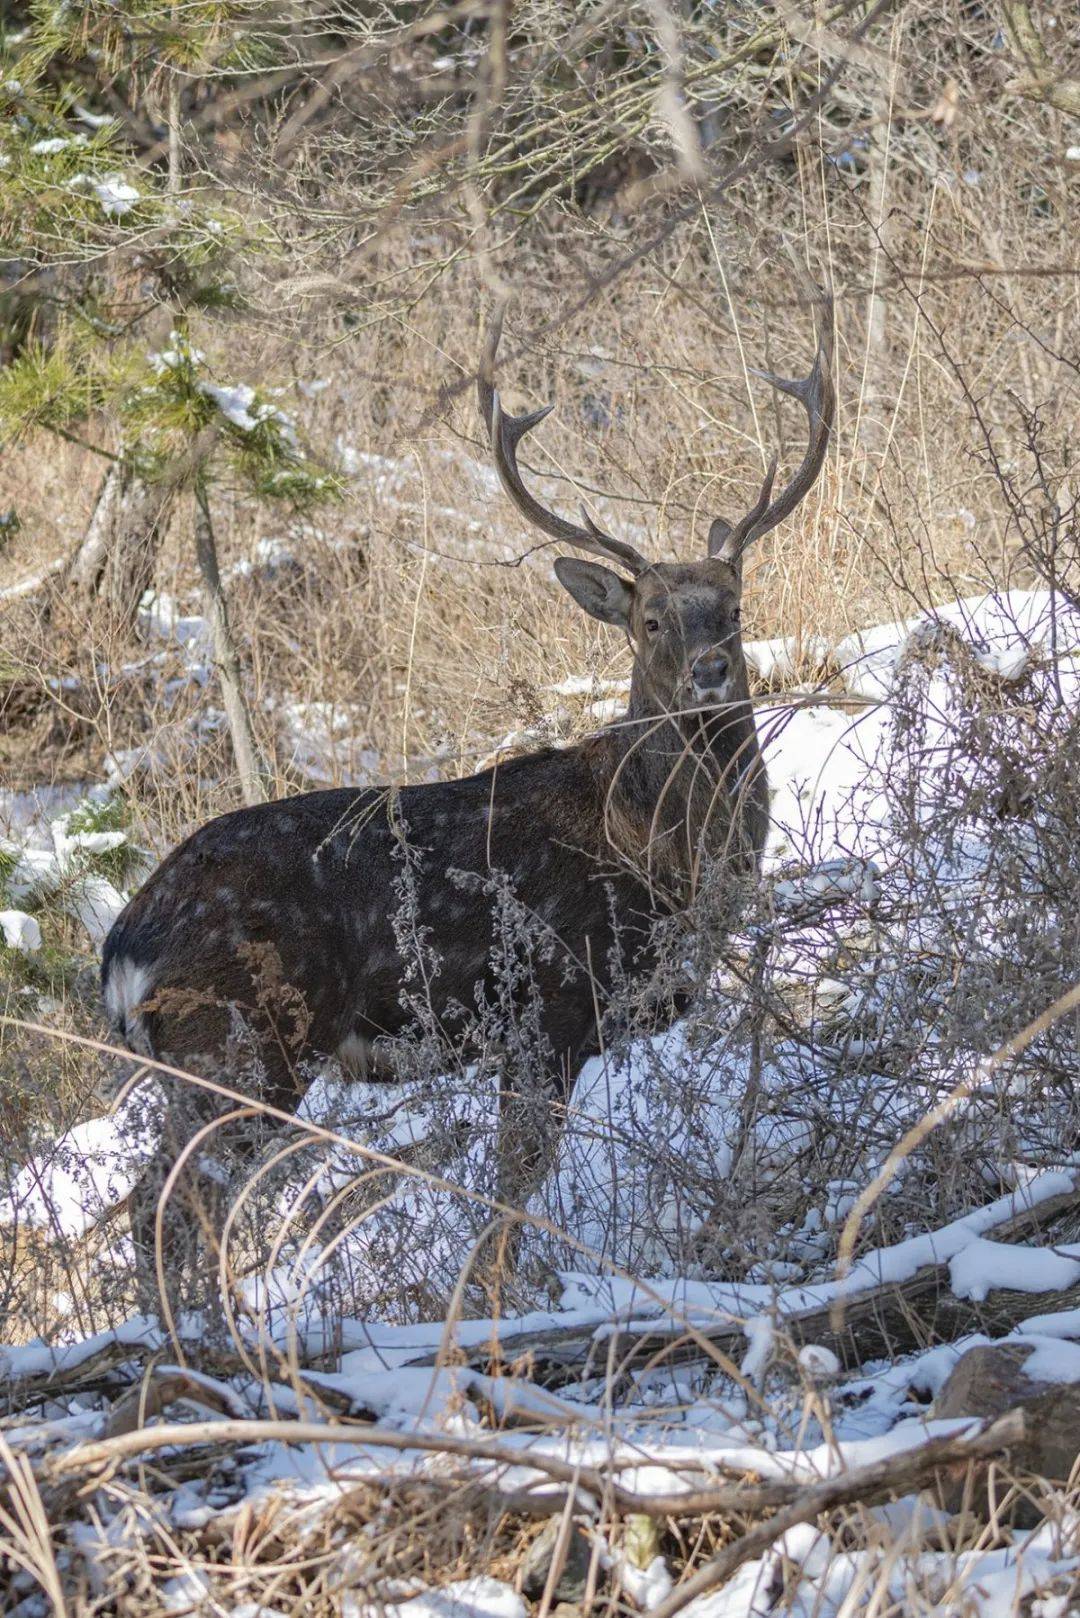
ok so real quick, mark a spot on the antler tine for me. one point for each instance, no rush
(506, 432)
(738, 537)
(818, 398)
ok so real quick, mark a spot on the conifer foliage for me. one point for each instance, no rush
(118, 259)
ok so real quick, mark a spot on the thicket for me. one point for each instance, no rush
(245, 254)
(250, 542)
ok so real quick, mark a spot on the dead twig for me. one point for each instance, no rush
(744, 1499)
(896, 1475)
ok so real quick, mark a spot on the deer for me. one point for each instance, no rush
(600, 842)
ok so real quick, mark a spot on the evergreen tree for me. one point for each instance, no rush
(117, 273)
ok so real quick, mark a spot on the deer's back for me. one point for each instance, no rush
(340, 893)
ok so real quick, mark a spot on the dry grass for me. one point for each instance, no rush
(420, 620)
(404, 613)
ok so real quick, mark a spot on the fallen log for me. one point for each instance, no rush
(866, 1316)
(881, 1317)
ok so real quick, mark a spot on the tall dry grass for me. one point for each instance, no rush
(418, 615)
(410, 608)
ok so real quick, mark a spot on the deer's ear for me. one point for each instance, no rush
(597, 589)
(719, 531)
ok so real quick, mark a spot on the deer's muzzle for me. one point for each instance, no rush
(709, 673)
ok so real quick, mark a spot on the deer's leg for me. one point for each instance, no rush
(534, 1095)
(207, 1147)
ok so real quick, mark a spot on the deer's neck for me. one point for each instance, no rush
(684, 789)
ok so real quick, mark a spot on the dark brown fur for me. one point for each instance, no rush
(614, 827)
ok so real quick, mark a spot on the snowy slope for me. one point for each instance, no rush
(652, 1133)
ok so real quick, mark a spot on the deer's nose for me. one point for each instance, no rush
(710, 670)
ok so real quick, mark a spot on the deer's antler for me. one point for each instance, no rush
(506, 432)
(818, 398)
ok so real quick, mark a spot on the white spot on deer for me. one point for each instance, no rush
(128, 985)
(354, 1054)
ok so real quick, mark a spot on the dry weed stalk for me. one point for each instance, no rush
(931, 183)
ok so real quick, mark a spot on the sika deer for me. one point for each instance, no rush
(597, 841)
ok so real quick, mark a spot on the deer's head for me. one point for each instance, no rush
(681, 618)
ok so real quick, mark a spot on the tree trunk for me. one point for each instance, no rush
(249, 763)
(116, 560)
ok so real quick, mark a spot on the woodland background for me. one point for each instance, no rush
(251, 543)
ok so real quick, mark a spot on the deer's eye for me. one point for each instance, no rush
(652, 626)
(736, 616)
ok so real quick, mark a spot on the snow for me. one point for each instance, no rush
(182, 353)
(819, 1363)
(829, 880)
(50, 861)
(647, 1587)
(20, 931)
(43, 1359)
(325, 742)
(1007, 630)
(982, 1584)
(87, 1171)
(1061, 1323)
(236, 404)
(116, 196)
(69, 844)
(466, 1598)
(775, 661)
(161, 617)
(621, 1205)
(761, 1339)
(95, 902)
(56, 143)
(825, 801)
(1052, 1361)
(589, 685)
(654, 1129)
(34, 581)
(95, 120)
(270, 557)
(985, 1266)
(185, 1592)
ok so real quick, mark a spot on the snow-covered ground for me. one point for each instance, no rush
(653, 1131)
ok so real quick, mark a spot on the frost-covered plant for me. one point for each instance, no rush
(115, 252)
(983, 780)
(100, 832)
(966, 936)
